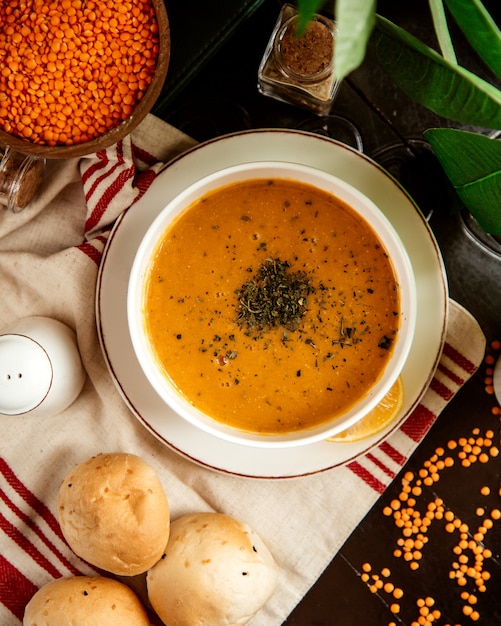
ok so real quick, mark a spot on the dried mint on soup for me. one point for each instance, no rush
(275, 296)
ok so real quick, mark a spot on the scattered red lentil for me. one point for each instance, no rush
(470, 551)
(490, 359)
(71, 70)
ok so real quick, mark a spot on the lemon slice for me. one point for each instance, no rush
(376, 420)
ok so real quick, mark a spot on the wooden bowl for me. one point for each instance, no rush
(126, 127)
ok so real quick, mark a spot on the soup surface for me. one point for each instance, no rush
(271, 305)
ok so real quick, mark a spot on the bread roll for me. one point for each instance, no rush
(114, 513)
(85, 601)
(216, 571)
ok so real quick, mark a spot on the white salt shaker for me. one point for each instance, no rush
(41, 372)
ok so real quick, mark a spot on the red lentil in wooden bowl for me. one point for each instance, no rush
(76, 76)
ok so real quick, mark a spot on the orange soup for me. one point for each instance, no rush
(271, 306)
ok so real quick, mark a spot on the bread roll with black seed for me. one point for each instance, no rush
(114, 513)
(216, 571)
(86, 601)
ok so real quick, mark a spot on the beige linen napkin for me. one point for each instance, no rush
(49, 257)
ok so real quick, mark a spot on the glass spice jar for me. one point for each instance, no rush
(20, 178)
(299, 70)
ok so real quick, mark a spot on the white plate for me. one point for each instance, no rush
(496, 381)
(281, 145)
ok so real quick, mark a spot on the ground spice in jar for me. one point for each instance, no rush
(309, 53)
(20, 178)
(299, 70)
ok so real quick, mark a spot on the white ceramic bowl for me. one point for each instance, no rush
(41, 372)
(365, 207)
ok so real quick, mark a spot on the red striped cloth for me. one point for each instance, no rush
(31, 528)
(379, 467)
(118, 177)
(49, 257)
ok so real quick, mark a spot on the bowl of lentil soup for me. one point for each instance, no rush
(76, 76)
(271, 304)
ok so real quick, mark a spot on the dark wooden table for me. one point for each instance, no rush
(223, 98)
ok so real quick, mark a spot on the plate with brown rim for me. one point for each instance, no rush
(250, 146)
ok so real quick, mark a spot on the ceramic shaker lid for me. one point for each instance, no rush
(25, 374)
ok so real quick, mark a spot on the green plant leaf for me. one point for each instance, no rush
(442, 30)
(306, 9)
(355, 20)
(444, 88)
(472, 162)
(480, 30)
